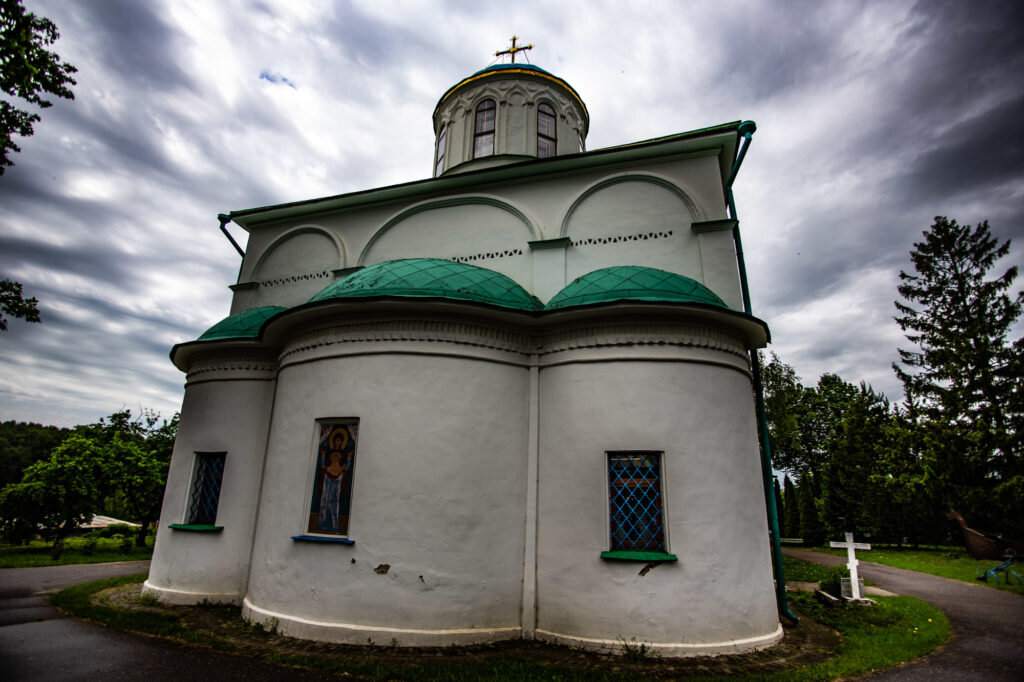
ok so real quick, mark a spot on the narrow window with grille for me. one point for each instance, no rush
(483, 130)
(209, 472)
(635, 501)
(442, 140)
(547, 140)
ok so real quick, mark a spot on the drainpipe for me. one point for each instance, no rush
(224, 220)
(746, 130)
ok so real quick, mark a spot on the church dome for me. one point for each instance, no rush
(633, 283)
(431, 278)
(243, 325)
(507, 113)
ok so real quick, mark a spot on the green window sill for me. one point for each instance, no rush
(628, 555)
(196, 527)
(323, 538)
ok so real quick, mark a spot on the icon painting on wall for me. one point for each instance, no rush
(332, 482)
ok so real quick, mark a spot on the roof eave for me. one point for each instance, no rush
(722, 139)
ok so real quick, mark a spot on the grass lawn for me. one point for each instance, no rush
(76, 551)
(948, 562)
(897, 629)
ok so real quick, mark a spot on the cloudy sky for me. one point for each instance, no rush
(873, 117)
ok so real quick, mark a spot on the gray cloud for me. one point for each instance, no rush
(875, 116)
(135, 44)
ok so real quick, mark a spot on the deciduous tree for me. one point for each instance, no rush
(59, 493)
(28, 71)
(13, 303)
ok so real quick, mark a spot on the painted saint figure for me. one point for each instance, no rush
(330, 507)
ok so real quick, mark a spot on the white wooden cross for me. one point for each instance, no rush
(852, 562)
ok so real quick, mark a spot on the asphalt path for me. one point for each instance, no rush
(39, 643)
(988, 624)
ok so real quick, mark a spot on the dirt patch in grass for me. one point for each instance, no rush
(222, 627)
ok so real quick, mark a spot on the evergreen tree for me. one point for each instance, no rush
(792, 508)
(851, 496)
(811, 528)
(779, 509)
(906, 508)
(962, 378)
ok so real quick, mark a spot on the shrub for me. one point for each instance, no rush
(116, 529)
(832, 582)
(89, 546)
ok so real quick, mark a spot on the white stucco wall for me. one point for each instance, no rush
(516, 100)
(491, 226)
(719, 596)
(438, 495)
(229, 416)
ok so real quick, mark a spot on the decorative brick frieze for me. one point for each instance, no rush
(228, 366)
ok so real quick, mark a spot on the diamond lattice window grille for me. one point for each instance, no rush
(634, 501)
(206, 488)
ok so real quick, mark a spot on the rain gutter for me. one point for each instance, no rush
(224, 220)
(746, 131)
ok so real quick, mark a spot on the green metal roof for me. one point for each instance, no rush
(432, 278)
(243, 325)
(509, 67)
(633, 283)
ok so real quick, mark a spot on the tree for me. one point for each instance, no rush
(962, 377)
(14, 304)
(779, 509)
(811, 528)
(823, 410)
(22, 443)
(59, 493)
(138, 455)
(27, 71)
(141, 475)
(851, 495)
(783, 394)
(789, 497)
(120, 461)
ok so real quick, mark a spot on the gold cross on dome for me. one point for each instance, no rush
(512, 50)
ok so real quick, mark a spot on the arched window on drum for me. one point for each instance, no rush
(547, 137)
(483, 132)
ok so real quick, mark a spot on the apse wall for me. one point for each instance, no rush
(438, 490)
(696, 411)
(229, 414)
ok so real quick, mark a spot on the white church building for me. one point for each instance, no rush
(511, 400)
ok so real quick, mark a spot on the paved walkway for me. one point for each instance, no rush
(38, 643)
(988, 624)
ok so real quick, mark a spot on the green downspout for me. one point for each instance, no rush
(746, 130)
(224, 220)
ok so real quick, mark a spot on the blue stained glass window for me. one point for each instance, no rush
(635, 501)
(205, 496)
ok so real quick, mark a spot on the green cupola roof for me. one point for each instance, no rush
(633, 283)
(432, 278)
(243, 325)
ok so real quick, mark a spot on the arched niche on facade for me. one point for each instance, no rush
(297, 265)
(632, 219)
(479, 230)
